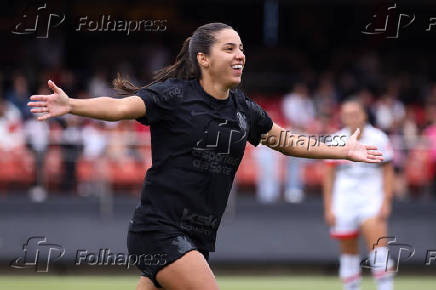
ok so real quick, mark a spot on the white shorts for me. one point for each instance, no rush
(350, 213)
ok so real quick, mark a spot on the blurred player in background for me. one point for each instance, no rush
(357, 199)
(200, 123)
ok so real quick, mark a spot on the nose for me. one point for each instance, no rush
(240, 55)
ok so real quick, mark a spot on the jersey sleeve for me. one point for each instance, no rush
(160, 100)
(261, 123)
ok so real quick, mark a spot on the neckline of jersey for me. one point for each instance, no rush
(210, 97)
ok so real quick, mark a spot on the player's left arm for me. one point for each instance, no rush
(279, 139)
(388, 190)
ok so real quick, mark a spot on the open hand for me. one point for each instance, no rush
(54, 105)
(362, 153)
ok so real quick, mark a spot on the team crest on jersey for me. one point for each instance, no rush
(175, 92)
(242, 121)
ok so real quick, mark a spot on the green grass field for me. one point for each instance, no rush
(225, 283)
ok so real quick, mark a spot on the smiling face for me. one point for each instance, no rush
(226, 59)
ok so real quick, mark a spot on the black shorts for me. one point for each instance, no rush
(153, 250)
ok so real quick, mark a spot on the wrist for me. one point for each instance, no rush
(70, 105)
(345, 153)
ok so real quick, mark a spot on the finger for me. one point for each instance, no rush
(37, 104)
(53, 86)
(375, 153)
(44, 117)
(355, 134)
(39, 110)
(370, 147)
(376, 159)
(39, 97)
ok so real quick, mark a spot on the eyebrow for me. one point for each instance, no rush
(233, 44)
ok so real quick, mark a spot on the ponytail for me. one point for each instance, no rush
(182, 68)
(124, 87)
(186, 65)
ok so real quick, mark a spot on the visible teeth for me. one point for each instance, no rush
(237, 66)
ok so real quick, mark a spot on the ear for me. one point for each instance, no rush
(203, 60)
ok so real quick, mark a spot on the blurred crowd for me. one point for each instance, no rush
(78, 155)
(411, 129)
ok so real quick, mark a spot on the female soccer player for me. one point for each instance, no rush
(199, 126)
(357, 198)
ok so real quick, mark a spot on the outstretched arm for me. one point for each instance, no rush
(279, 140)
(103, 108)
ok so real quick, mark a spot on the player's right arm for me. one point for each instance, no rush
(102, 108)
(329, 179)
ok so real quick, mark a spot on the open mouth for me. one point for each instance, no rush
(237, 68)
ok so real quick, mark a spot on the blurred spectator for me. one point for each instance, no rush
(99, 86)
(268, 168)
(389, 111)
(95, 141)
(121, 137)
(19, 95)
(11, 132)
(430, 136)
(71, 149)
(325, 97)
(299, 110)
(37, 135)
(13, 158)
(267, 178)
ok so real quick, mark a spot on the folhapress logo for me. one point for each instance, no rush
(382, 256)
(38, 20)
(38, 254)
(388, 21)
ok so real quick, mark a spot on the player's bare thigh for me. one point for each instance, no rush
(373, 230)
(189, 272)
(146, 284)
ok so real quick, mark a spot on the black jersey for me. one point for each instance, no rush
(197, 144)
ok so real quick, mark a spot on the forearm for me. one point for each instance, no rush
(102, 108)
(313, 148)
